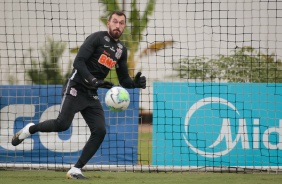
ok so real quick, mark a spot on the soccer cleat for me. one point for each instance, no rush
(75, 173)
(21, 135)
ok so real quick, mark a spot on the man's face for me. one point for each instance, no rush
(116, 26)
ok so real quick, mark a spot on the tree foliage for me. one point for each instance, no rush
(137, 22)
(132, 35)
(244, 65)
(48, 70)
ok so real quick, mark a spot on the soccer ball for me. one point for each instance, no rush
(117, 99)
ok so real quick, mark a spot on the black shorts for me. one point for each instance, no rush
(77, 98)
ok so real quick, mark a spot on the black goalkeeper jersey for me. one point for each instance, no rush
(101, 52)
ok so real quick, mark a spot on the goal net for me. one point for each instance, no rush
(214, 84)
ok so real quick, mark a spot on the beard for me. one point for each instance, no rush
(115, 34)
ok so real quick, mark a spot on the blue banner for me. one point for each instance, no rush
(217, 124)
(20, 105)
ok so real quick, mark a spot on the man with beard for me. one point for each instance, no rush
(100, 52)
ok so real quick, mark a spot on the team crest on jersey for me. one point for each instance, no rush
(119, 45)
(118, 53)
(107, 38)
(73, 92)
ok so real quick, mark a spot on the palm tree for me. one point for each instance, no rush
(132, 35)
(136, 23)
(48, 70)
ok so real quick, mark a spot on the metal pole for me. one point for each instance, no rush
(123, 5)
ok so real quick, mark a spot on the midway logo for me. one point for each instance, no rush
(217, 124)
(225, 134)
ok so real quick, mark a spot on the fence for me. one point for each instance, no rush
(213, 97)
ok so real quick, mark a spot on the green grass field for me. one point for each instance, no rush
(58, 177)
(145, 148)
(144, 158)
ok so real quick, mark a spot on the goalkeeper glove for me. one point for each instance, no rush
(139, 82)
(101, 83)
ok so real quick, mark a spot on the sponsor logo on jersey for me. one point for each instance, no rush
(112, 49)
(107, 61)
(107, 38)
(96, 97)
(118, 53)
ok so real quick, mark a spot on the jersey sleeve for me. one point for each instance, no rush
(85, 52)
(122, 72)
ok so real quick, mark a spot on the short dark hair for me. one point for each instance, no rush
(116, 12)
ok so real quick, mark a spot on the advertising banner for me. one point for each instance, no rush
(21, 105)
(217, 124)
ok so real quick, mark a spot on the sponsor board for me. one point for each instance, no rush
(217, 124)
(21, 105)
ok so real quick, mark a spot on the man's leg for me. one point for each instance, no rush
(60, 124)
(70, 105)
(94, 117)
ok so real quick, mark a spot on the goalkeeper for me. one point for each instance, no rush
(100, 52)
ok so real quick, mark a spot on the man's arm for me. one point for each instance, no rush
(124, 78)
(82, 56)
(138, 82)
